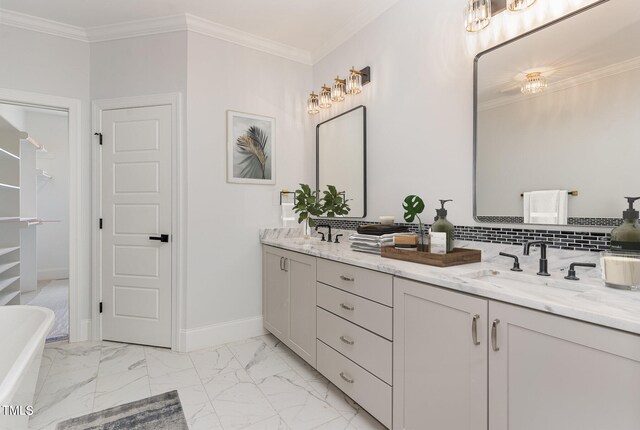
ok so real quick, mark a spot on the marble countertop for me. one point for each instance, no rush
(586, 300)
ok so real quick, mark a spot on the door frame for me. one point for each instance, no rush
(178, 208)
(78, 213)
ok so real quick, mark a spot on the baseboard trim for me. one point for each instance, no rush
(218, 334)
(51, 274)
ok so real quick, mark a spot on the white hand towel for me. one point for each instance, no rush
(546, 207)
(288, 216)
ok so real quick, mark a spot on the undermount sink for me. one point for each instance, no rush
(529, 283)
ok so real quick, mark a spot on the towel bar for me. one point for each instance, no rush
(571, 193)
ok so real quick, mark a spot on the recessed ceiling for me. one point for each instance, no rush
(302, 24)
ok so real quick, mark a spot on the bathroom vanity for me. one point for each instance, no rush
(466, 347)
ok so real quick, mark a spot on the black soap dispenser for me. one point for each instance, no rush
(626, 237)
(442, 225)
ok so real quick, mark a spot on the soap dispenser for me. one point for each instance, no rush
(626, 237)
(442, 225)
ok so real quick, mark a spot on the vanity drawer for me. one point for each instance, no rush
(367, 390)
(370, 315)
(369, 350)
(366, 283)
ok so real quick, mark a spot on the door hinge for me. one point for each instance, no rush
(100, 223)
(99, 137)
(100, 307)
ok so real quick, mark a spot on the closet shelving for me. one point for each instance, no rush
(10, 138)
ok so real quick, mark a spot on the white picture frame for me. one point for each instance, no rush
(251, 148)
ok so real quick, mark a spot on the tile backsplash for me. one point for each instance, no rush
(562, 239)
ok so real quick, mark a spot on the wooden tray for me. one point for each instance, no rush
(455, 258)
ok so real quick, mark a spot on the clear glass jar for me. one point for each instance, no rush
(621, 270)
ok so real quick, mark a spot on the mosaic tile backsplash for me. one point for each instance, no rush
(561, 239)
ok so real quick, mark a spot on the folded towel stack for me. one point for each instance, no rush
(373, 243)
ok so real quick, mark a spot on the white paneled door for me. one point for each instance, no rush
(136, 226)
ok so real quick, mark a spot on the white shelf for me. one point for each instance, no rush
(5, 283)
(7, 266)
(10, 219)
(5, 153)
(4, 251)
(9, 186)
(5, 299)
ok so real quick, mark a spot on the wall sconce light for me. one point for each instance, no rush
(477, 15)
(325, 97)
(337, 90)
(518, 5)
(312, 104)
(534, 83)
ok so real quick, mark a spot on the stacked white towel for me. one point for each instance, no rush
(372, 244)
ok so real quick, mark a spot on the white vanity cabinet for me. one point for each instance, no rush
(289, 299)
(555, 373)
(440, 358)
(417, 356)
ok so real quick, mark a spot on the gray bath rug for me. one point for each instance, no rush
(161, 412)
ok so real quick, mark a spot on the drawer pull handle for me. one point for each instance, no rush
(347, 340)
(494, 335)
(346, 378)
(347, 278)
(474, 329)
(347, 307)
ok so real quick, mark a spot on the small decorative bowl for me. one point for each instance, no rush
(387, 220)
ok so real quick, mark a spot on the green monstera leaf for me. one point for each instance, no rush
(413, 207)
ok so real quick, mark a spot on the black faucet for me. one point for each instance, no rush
(327, 226)
(572, 270)
(516, 262)
(544, 264)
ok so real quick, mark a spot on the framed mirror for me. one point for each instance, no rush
(341, 157)
(556, 110)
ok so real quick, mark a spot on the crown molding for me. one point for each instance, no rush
(188, 22)
(212, 29)
(584, 78)
(41, 25)
(360, 21)
(142, 27)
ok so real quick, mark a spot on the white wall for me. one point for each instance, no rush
(41, 63)
(52, 131)
(588, 139)
(139, 66)
(224, 258)
(420, 101)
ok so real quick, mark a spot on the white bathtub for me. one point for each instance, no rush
(24, 331)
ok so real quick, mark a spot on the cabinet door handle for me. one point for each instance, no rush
(474, 329)
(347, 278)
(286, 261)
(281, 265)
(346, 378)
(347, 307)
(494, 335)
(347, 340)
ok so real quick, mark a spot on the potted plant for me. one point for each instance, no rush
(307, 204)
(413, 206)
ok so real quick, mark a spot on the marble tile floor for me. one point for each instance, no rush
(255, 384)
